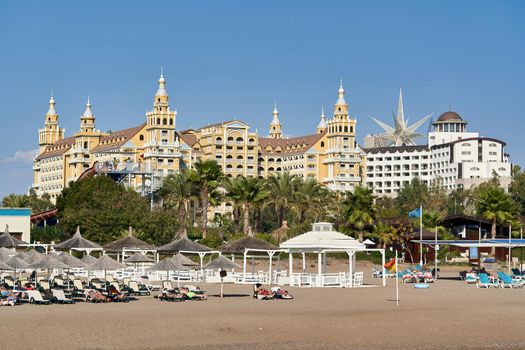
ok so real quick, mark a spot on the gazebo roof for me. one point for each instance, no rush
(77, 242)
(183, 244)
(8, 241)
(322, 237)
(250, 242)
(128, 242)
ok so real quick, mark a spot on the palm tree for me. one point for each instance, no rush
(177, 191)
(359, 209)
(206, 176)
(311, 200)
(496, 206)
(282, 193)
(383, 233)
(245, 192)
(16, 201)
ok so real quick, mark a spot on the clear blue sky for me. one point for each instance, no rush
(226, 59)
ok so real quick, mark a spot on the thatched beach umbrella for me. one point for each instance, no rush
(184, 260)
(168, 264)
(281, 233)
(128, 242)
(138, 258)
(71, 261)
(106, 263)
(183, 244)
(16, 264)
(8, 241)
(31, 256)
(6, 254)
(77, 242)
(89, 260)
(5, 267)
(47, 262)
(222, 263)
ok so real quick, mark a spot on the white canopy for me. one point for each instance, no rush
(322, 237)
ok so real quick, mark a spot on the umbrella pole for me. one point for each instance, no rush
(222, 288)
(178, 279)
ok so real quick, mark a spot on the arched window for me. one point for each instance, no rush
(164, 121)
(351, 128)
(322, 143)
(141, 137)
(346, 128)
(171, 121)
(158, 120)
(239, 139)
(85, 144)
(493, 145)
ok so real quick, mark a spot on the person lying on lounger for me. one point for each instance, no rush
(280, 293)
(193, 295)
(116, 296)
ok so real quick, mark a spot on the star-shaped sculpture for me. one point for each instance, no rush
(401, 134)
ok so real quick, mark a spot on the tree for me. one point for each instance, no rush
(245, 192)
(383, 233)
(15, 201)
(282, 193)
(206, 176)
(359, 209)
(496, 206)
(102, 209)
(312, 199)
(387, 208)
(177, 191)
(517, 188)
(461, 202)
(412, 195)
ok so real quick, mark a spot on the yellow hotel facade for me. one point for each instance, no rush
(146, 153)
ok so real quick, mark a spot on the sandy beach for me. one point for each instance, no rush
(448, 315)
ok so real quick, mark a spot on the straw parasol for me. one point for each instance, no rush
(71, 261)
(106, 263)
(47, 262)
(251, 242)
(183, 244)
(222, 263)
(16, 264)
(4, 266)
(5, 254)
(138, 258)
(168, 265)
(23, 255)
(89, 259)
(128, 242)
(31, 256)
(184, 260)
(77, 242)
(8, 241)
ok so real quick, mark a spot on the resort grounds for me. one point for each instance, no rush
(448, 315)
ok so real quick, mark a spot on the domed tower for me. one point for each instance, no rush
(275, 125)
(87, 120)
(51, 132)
(448, 127)
(162, 145)
(343, 158)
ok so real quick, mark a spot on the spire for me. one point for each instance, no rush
(88, 113)
(275, 120)
(162, 84)
(400, 118)
(322, 122)
(341, 94)
(51, 110)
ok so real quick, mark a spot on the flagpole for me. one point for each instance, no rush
(436, 255)
(421, 235)
(397, 283)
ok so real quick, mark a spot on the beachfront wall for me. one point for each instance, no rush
(17, 221)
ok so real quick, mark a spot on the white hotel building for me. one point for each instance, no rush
(457, 158)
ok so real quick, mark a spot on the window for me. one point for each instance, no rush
(141, 137)
(493, 145)
(322, 143)
(466, 144)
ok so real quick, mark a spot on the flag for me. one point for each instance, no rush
(416, 213)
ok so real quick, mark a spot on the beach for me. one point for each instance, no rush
(450, 314)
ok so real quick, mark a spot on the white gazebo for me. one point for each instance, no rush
(322, 240)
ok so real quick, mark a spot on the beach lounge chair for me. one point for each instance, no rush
(508, 282)
(151, 287)
(471, 278)
(194, 289)
(126, 281)
(9, 282)
(172, 295)
(95, 296)
(280, 293)
(78, 289)
(517, 274)
(485, 282)
(167, 285)
(136, 290)
(35, 297)
(97, 284)
(60, 298)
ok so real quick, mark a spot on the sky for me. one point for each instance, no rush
(232, 59)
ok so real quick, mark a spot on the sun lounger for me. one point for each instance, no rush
(280, 293)
(9, 282)
(95, 296)
(508, 282)
(35, 297)
(485, 282)
(136, 290)
(152, 287)
(167, 285)
(60, 298)
(471, 278)
(517, 274)
(260, 293)
(171, 295)
(126, 281)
